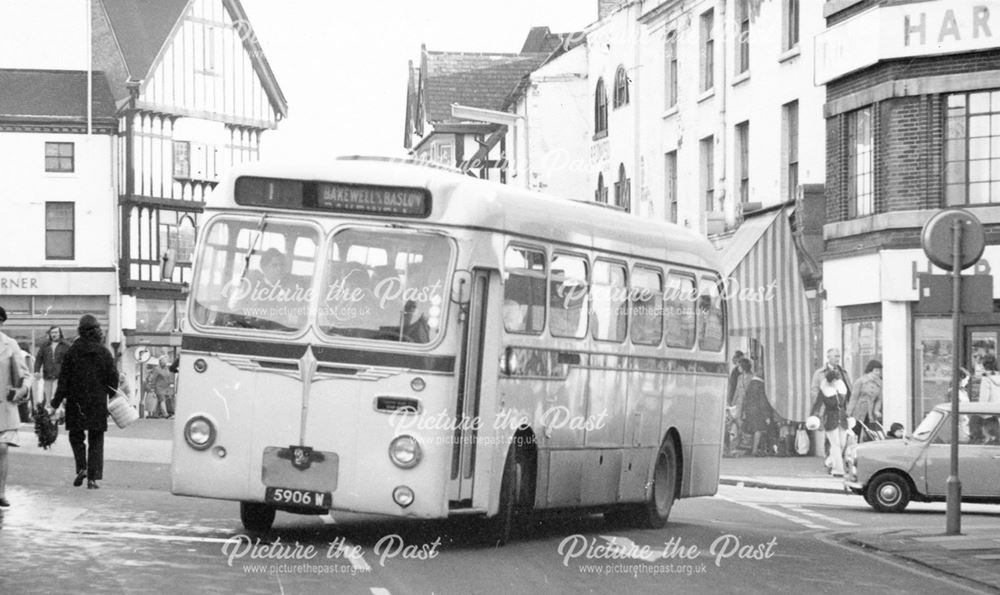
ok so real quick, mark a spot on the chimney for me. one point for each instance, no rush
(606, 7)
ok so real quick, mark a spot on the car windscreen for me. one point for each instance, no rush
(927, 426)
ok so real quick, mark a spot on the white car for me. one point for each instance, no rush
(890, 473)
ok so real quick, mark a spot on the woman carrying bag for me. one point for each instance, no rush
(87, 379)
(13, 392)
(831, 398)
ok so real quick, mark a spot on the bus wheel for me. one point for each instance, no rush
(503, 524)
(257, 518)
(655, 512)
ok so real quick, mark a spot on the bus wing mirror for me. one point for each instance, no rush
(461, 287)
(167, 262)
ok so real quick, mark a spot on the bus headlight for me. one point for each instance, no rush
(199, 433)
(404, 451)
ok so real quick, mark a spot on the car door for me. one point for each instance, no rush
(978, 463)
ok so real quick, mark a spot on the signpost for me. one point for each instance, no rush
(954, 240)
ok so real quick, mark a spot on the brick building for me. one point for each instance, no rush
(912, 126)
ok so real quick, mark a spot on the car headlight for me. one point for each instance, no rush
(404, 451)
(199, 433)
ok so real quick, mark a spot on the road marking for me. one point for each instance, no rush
(819, 515)
(777, 513)
(379, 591)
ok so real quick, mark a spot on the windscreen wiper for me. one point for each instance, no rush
(253, 246)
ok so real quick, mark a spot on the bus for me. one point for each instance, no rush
(382, 336)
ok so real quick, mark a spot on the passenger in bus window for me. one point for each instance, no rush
(514, 315)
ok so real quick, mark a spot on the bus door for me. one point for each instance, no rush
(477, 361)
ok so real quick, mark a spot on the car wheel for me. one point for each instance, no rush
(257, 518)
(889, 492)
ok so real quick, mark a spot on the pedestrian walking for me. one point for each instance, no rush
(757, 410)
(163, 383)
(13, 391)
(989, 384)
(741, 386)
(48, 362)
(831, 400)
(866, 406)
(87, 379)
(832, 363)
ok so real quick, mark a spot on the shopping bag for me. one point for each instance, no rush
(121, 410)
(801, 440)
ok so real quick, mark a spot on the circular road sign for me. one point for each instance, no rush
(142, 354)
(938, 242)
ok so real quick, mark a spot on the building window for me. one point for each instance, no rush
(623, 189)
(59, 231)
(708, 172)
(670, 176)
(743, 160)
(707, 50)
(860, 163)
(742, 36)
(790, 24)
(790, 126)
(600, 109)
(972, 148)
(621, 87)
(59, 157)
(670, 74)
(601, 194)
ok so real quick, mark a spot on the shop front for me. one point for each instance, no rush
(152, 334)
(871, 311)
(38, 299)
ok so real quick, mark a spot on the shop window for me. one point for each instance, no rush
(972, 148)
(933, 350)
(862, 343)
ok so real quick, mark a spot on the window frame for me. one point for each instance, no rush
(600, 109)
(601, 194)
(594, 328)
(670, 185)
(586, 300)
(72, 230)
(707, 146)
(790, 148)
(693, 278)
(59, 158)
(621, 91)
(859, 165)
(743, 161)
(790, 24)
(670, 66)
(544, 276)
(623, 190)
(958, 172)
(658, 293)
(706, 78)
(742, 45)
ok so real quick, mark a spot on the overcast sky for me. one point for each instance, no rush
(342, 65)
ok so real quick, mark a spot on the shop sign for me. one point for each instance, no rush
(57, 282)
(906, 30)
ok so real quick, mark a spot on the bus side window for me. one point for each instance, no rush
(711, 315)
(646, 295)
(524, 290)
(680, 309)
(568, 296)
(610, 301)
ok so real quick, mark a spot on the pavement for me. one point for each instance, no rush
(973, 556)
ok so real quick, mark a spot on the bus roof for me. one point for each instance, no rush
(464, 201)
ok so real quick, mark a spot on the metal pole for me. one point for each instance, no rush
(954, 512)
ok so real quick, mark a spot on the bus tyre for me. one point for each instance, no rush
(888, 492)
(502, 526)
(257, 518)
(654, 514)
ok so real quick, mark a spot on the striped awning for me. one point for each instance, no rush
(767, 302)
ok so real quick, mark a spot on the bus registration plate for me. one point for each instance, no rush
(292, 497)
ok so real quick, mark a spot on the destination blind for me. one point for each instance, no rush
(332, 196)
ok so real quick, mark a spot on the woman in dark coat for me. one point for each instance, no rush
(757, 410)
(88, 377)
